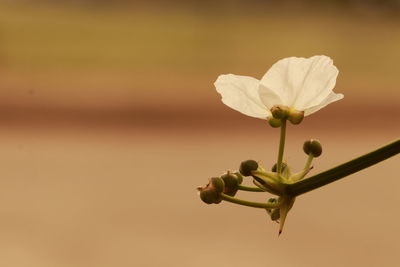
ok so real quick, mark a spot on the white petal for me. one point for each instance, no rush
(299, 82)
(269, 97)
(241, 94)
(332, 97)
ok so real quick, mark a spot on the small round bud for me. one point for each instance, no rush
(230, 179)
(275, 167)
(209, 196)
(247, 166)
(275, 123)
(231, 183)
(239, 177)
(211, 192)
(312, 147)
(275, 214)
(279, 112)
(217, 184)
(295, 116)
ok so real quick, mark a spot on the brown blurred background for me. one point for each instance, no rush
(109, 120)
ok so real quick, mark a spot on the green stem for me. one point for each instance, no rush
(308, 163)
(250, 203)
(344, 169)
(250, 188)
(305, 171)
(281, 146)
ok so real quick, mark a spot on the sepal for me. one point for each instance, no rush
(286, 204)
(269, 182)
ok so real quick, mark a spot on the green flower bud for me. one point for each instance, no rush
(275, 123)
(211, 192)
(210, 196)
(279, 112)
(231, 182)
(275, 167)
(239, 177)
(312, 147)
(274, 213)
(217, 184)
(295, 116)
(247, 166)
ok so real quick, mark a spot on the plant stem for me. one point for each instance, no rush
(344, 169)
(305, 171)
(250, 188)
(308, 163)
(250, 203)
(281, 146)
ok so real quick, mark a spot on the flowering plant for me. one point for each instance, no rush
(290, 90)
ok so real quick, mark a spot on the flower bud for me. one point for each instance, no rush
(239, 177)
(211, 192)
(231, 182)
(295, 116)
(247, 166)
(279, 112)
(274, 213)
(210, 197)
(217, 184)
(312, 147)
(275, 167)
(275, 123)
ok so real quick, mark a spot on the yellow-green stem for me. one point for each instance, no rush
(308, 163)
(250, 188)
(281, 146)
(250, 203)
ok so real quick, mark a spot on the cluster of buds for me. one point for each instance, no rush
(281, 113)
(211, 193)
(227, 184)
(275, 182)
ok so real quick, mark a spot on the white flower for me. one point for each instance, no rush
(302, 84)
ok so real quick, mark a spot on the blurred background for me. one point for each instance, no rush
(109, 120)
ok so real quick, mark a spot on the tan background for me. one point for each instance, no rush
(109, 120)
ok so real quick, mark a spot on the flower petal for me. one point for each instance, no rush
(299, 82)
(241, 94)
(269, 97)
(332, 97)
